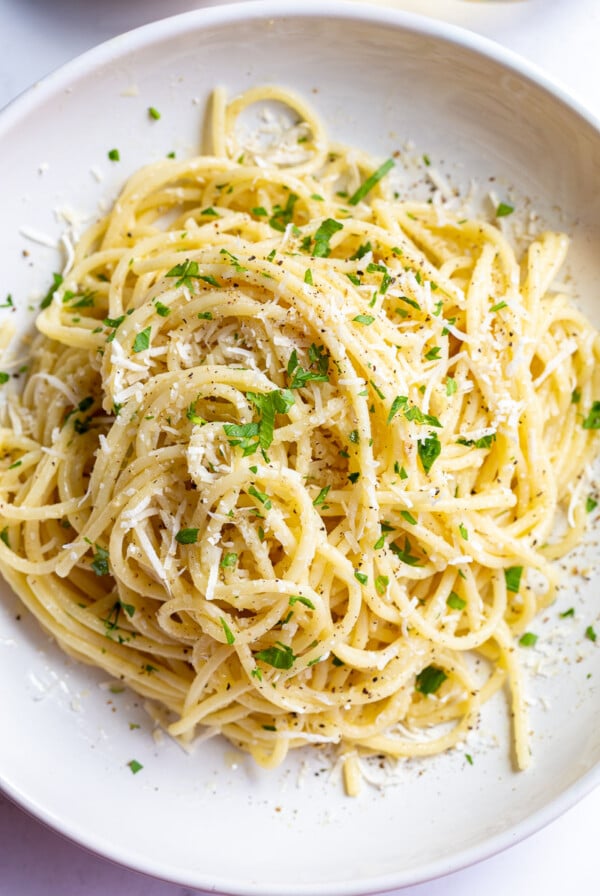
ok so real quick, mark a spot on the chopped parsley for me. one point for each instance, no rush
(504, 209)
(281, 217)
(366, 319)
(243, 436)
(406, 515)
(100, 561)
(4, 377)
(404, 554)
(498, 307)
(429, 449)
(590, 633)
(370, 182)
(135, 766)
(590, 504)
(484, 442)
(153, 113)
(320, 499)
(361, 577)
(323, 234)
(451, 386)
(186, 272)
(229, 636)
(268, 404)
(114, 155)
(57, 280)
(381, 584)
(528, 639)
(280, 656)
(260, 496)
(301, 377)
(512, 576)
(430, 679)
(464, 531)
(142, 340)
(297, 598)
(455, 602)
(229, 560)
(592, 421)
(187, 536)
(433, 354)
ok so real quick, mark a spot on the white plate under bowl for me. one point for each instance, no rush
(212, 820)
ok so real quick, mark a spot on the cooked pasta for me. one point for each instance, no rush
(290, 447)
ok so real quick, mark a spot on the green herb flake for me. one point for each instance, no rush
(57, 280)
(455, 602)
(365, 319)
(114, 155)
(297, 598)
(209, 212)
(498, 307)
(205, 315)
(590, 504)
(411, 302)
(429, 450)
(4, 536)
(567, 613)
(504, 209)
(370, 182)
(4, 377)
(381, 584)
(153, 113)
(575, 396)
(323, 234)
(161, 309)
(430, 679)
(592, 421)
(512, 576)
(260, 496)
(469, 758)
(281, 217)
(187, 536)
(590, 633)
(362, 250)
(320, 499)
(280, 656)
(100, 561)
(433, 354)
(451, 386)
(308, 278)
(528, 639)
(229, 560)
(404, 554)
(135, 766)
(406, 515)
(142, 340)
(463, 531)
(229, 636)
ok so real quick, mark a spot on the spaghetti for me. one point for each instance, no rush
(289, 445)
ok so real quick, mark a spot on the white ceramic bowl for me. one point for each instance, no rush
(212, 820)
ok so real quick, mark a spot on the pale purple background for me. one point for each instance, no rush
(561, 36)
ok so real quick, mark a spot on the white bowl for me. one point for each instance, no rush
(212, 820)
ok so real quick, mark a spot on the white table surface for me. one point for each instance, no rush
(562, 37)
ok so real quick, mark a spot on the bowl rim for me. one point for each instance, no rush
(165, 29)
